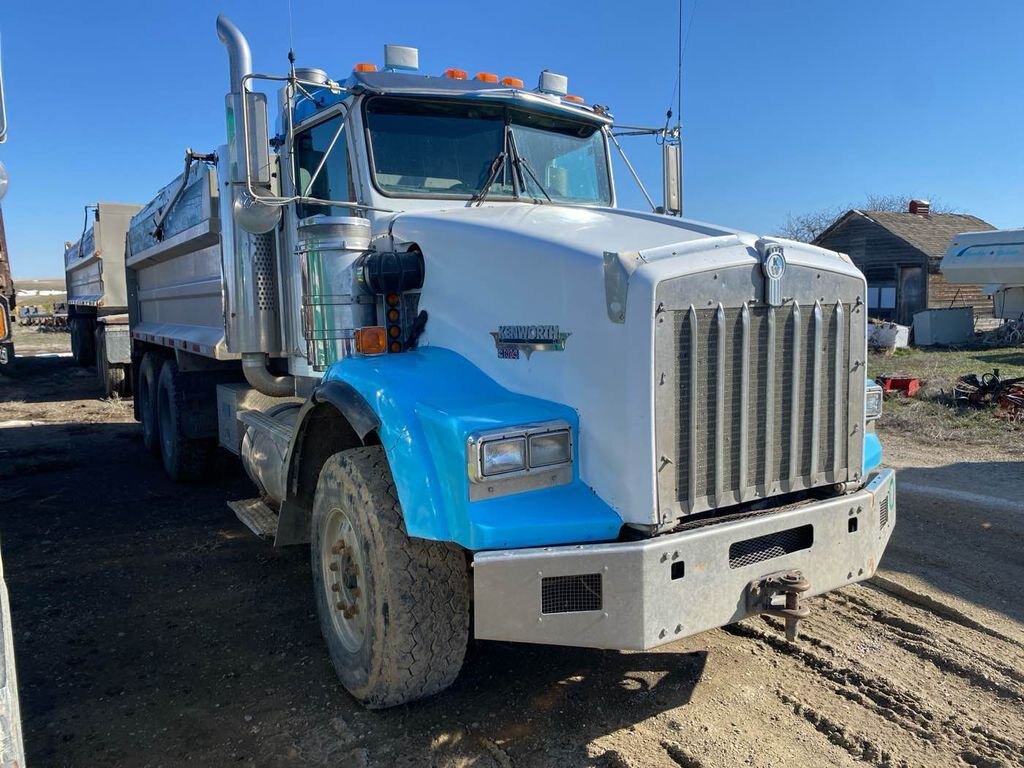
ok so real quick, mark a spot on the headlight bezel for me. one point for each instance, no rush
(532, 476)
(873, 393)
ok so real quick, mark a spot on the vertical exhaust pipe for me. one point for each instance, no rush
(254, 329)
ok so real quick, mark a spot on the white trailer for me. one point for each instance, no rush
(97, 298)
(995, 259)
(460, 373)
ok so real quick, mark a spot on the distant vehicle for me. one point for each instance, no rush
(995, 259)
(97, 298)
(458, 371)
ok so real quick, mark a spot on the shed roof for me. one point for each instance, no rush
(931, 234)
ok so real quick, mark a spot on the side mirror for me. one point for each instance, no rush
(672, 175)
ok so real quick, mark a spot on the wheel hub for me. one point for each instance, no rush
(344, 576)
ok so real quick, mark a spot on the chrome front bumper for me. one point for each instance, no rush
(638, 595)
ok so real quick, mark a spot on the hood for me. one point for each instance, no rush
(589, 230)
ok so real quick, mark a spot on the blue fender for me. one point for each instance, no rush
(872, 447)
(428, 402)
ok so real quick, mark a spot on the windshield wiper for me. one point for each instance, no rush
(498, 164)
(520, 163)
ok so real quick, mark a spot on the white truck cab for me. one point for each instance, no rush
(464, 376)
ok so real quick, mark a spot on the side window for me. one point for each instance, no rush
(334, 180)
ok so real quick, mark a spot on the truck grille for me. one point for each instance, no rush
(756, 401)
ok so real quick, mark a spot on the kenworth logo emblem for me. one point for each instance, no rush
(773, 265)
(511, 340)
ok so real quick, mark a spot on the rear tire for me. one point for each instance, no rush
(186, 459)
(401, 630)
(149, 375)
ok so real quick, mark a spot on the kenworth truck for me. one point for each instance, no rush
(491, 401)
(97, 300)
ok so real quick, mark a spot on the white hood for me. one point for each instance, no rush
(523, 264)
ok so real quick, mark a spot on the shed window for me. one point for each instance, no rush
(882, 296)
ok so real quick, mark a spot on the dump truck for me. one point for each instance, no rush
(97, 300)
(492, 402)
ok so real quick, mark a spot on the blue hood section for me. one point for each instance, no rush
(429, 402)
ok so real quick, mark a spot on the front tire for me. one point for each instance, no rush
(393, 609)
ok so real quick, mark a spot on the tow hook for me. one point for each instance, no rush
(778, 594)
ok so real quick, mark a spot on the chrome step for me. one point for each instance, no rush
(257, 516)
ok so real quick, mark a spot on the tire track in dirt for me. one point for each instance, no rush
(953, 732)
(858, 745)
(876, 694)
(968, 661)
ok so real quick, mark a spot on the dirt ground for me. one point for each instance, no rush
(152, 629)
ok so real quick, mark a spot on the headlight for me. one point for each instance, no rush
(517, 459)
(873, 402)
(550, 448)
(500, 456)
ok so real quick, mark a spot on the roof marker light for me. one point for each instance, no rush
(573, 99)
(487, 77)
(455, 74)
(364, 66)
(512, 82)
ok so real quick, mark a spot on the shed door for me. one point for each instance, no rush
(910, 294)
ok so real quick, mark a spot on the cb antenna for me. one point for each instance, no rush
(291, 41)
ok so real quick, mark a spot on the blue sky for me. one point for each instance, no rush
(789, 106)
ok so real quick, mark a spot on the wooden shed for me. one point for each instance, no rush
(899, 253)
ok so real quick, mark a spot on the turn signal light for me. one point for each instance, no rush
(512, 82)
(372, 340)
(364, 66)
(573, 99)
(455, 74)
(487, 77)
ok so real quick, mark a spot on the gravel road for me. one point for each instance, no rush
(152, 629)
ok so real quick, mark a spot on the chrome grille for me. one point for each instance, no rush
(756, 401)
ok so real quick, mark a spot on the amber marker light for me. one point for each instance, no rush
(392, 299)
(393, 315)
(487, 77)
(364, 66)
(455, 74)
(396, 346)
(512, 82)
(573, 99)
(371, 340)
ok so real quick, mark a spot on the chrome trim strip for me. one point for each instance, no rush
(719, 406)
(794, 412)
(839, 436)
(816, 391)
(692, 468)
(744, 486)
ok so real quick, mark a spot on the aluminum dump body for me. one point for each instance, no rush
(94, 265)
(174, 268)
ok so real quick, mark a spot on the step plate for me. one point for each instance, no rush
(257, 516)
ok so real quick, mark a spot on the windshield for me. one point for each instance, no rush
(450, 149)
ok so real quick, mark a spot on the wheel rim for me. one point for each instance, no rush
(341, 556)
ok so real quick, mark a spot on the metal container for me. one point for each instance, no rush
(334, 301)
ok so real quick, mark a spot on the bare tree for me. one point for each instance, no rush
(807, 226)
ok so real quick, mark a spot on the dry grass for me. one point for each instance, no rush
(933, 414)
